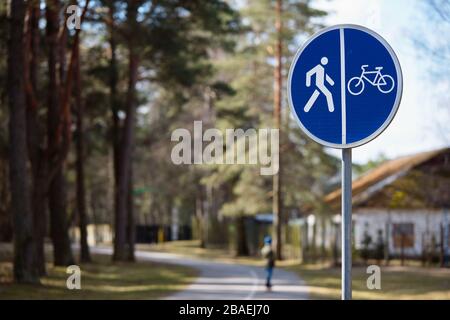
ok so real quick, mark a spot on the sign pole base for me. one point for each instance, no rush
(346, 224)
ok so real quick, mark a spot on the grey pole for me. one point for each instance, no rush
(346, 224)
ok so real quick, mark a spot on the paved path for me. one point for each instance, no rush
(223, 281)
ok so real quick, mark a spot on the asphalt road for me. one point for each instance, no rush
(223, 281)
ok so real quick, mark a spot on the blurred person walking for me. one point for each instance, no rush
(268, 254)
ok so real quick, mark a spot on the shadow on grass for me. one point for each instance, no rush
(102, 280)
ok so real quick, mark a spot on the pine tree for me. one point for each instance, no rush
(251, 73)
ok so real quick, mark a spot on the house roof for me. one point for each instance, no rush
(374, 180)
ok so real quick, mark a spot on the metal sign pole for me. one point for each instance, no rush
(346, 224)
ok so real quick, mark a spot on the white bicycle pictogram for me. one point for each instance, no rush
(384, 82)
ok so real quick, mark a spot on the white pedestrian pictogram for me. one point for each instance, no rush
(321, 76)
(384, 82)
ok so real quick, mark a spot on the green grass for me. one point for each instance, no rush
(102, 280)
(191, 249)
(396, 282)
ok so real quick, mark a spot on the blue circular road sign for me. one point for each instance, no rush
(344, 86)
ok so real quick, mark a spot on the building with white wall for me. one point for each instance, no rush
(405, 203)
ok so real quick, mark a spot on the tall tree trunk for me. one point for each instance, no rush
(277, 195)
(323, 234)
(242, 248)
(25, 270)
(40, 221)
(36, 138)
(116, 135)
(131, 232)
(306, 245)
(120, 252)
(335, 245)
(113, 76)
(59, 224)
(314, 241)
(200, 216)
(81, 190)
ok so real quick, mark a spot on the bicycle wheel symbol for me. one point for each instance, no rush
(355, 86)
(385, 83)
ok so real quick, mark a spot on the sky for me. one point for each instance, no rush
(414, 127)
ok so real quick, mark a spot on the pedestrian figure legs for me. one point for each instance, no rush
(329, 97)
(311, 101)
(314, 97)
(269, 272)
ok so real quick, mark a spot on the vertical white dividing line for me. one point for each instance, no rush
(343, 87)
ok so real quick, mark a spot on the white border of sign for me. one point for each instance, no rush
(397, 98)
